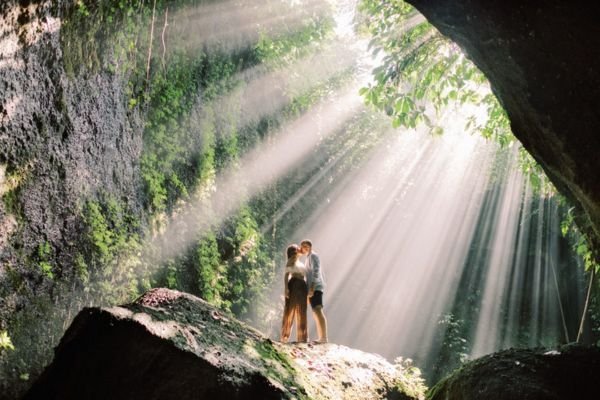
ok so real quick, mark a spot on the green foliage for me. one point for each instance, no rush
(579, 240)
(422, 67)
(280, 51)
(109, 261)
(408, 381)
(537, 177)
(454, 346)
(44, 256)
(5, 342)
(251, 267)
(99, 233)
(212, 278)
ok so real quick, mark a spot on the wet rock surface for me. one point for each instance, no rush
(542, 59)
(171, 345)
(63, 139)
(566, 373)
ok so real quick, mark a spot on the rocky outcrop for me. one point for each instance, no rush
(563, 374)
(171, 345)
(543, 61)
(63, 139)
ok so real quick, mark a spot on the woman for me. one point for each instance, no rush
(296, 293)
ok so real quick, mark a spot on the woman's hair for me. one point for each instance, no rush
(292, 250)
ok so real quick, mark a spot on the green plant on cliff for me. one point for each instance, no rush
(212, 278)
(192, 133)
(44, 256)
(408, 379)
(171, 145)
(580, 243)
(109, 260)
(278, 52)
(454, 344)
(424, 77)
(5, 342)
(250, 269)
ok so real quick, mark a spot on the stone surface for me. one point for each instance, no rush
(171, 345)
(543, 61)
(63, 139)
(563, 374)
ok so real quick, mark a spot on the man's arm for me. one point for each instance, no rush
(315, 264)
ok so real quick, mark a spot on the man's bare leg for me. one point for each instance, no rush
(321, 323)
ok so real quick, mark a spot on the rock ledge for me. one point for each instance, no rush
(172, 345)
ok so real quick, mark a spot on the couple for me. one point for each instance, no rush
(303, 282)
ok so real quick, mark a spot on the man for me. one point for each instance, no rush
(316, 285)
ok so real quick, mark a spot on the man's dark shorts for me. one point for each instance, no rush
(317, 299)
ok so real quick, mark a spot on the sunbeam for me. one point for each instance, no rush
(262, 165)
(232, 25)
(399, 236)
(156, 151)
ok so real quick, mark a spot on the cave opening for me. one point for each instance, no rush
(441, 240)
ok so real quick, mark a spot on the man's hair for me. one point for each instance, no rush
(292, 250)
(307, 242)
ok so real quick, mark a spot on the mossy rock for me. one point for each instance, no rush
(528, 374)
(172, 345)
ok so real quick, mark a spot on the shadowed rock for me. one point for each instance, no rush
(171, 345)
(564, 374)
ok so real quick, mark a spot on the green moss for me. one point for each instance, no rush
(211, 271)
(5, 342)
(408, 379)
(11, 184)
(11, 201)
(279, 367)
(109, 260)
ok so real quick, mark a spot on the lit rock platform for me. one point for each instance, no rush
(171, 345)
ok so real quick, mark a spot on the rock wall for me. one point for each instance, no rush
(63, 139)
(543, 61)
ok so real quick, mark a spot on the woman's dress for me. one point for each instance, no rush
(296, 304)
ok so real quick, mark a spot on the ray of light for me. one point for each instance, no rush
(261, 166)
(232, 25)
(423, 220)
(355, 235)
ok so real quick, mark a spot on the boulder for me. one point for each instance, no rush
(172, 345)
(567, 373)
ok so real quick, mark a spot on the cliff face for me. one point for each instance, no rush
(542, 59)
(62, 139)
(105, 131)
(172, 345)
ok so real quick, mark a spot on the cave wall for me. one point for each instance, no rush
(543, 61)
(63, 139)
(67, 137)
